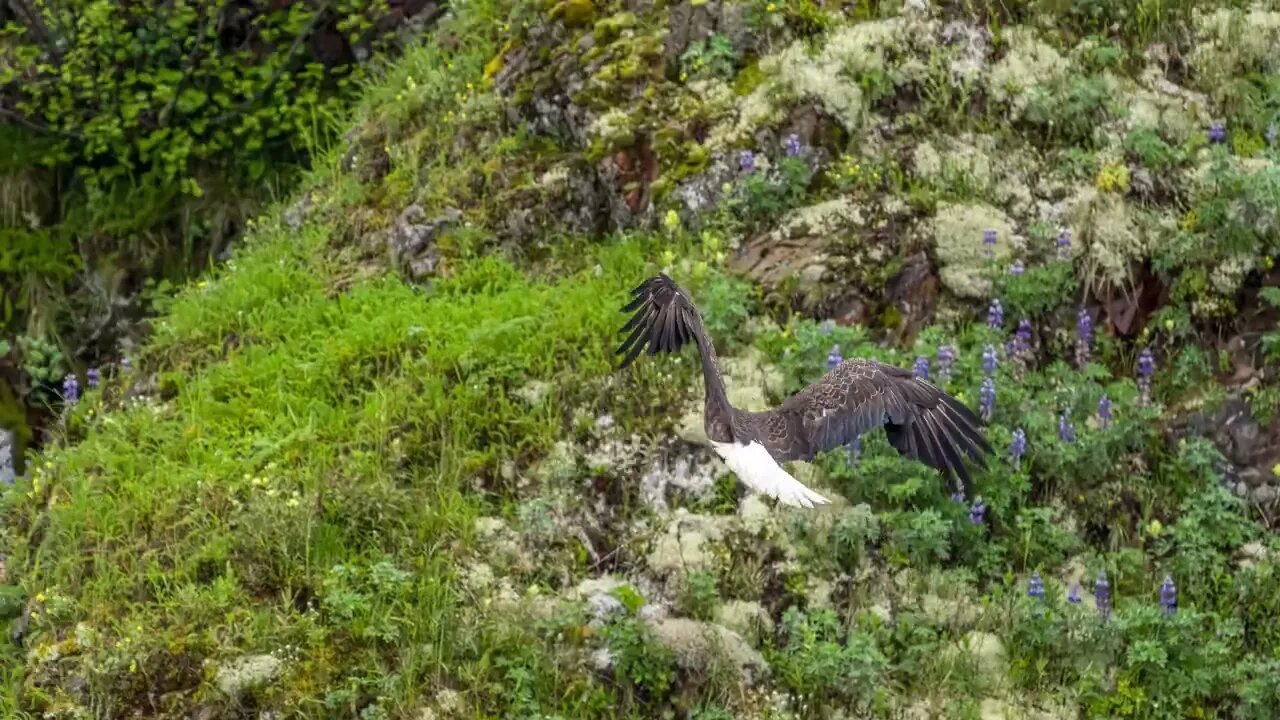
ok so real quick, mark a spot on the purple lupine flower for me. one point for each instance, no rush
(1022, 337)
(957, 497)
(977, 511)
(1104, 411)
(747, 161)
(1073, 595)
(995, 314)
(1169, 595)
(1271, 134)
(1017, 268)
(92, 377)
(1064, 243)
(1035, 588)
(921, 368)
(989, 360)
(987, 398)
(792, 145)
(70, 389)
(946, 356)
(833, 357)
(1146, 368)
(1102, 594)
(1018, 448)
(1217, 133)
(1084, 337)
(988, 241)
(1066, 431)
(126, 364)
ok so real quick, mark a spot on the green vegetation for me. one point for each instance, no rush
(379, 464)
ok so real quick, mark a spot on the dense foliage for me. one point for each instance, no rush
(139, 136)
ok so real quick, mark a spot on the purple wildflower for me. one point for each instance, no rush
(1217, 133)
(1064, 243)
(1018, 448)
(988, 241)
(1073, 595)
(989, 360)
(833, 357)
(1017, 268)
(126, 364)
(92, 377)
(957, 497)
(946, 356)
(1065, 429)
(987, 398)
(1104, 411)
(1102, 594)
(747, 161)
(995, 314)
(1084, 337)
(792, 145)
(921, 369)
(1169, 595)
(1035, 588)
(977, 511)
(1146, 368)
(1022, 337)
(70, 389)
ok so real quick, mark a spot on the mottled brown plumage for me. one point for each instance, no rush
(922, 422)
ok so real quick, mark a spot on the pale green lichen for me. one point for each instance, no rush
(1028, 63)
(683, 548)
(1156, 104)
(1108, 228)
(957, 232)
(1232, 42)
(700, 647)
(824, 218)
(978, 166)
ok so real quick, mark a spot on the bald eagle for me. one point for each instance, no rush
(921, 421)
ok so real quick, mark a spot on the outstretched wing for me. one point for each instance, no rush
(922, 422)
(665, 319)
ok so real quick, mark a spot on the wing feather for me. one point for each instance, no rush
(663, 319)
(922, 421)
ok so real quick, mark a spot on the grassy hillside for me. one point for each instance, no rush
(380, 464)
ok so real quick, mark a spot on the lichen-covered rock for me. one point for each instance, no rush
(686, 544)
(1108, 229)
(1234, 41)
(241, 675)
(700, 647)
(693, 478)
(795, 254)
(749, 619)
(412, 238)
(958, 231)
(1027, 64)
(1156, 104)
(988, 653)
(887, 49)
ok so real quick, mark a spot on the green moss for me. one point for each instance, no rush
(608, 29)
(748, 79)
(573, 13)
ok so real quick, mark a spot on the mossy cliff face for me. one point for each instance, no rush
(381, 463)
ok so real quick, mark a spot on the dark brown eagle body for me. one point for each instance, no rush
(921, 421)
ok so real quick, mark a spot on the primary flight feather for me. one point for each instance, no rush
(921, 421)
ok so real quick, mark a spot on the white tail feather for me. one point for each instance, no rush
(757, 469)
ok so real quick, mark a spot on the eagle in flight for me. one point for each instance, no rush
(922, 422)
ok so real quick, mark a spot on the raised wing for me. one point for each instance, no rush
(664, 320)
(922, 422)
